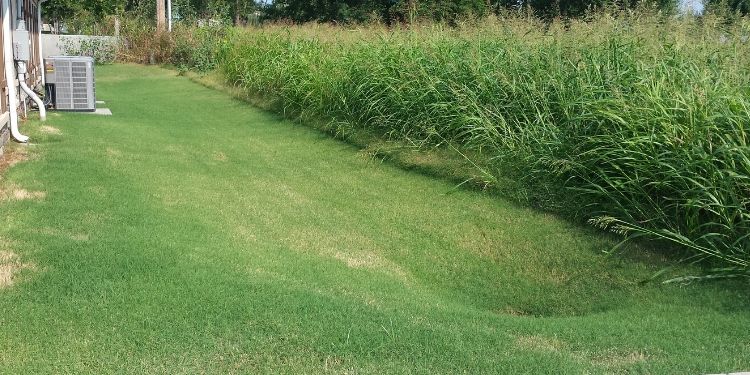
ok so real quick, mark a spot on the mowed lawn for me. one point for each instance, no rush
(192, 233)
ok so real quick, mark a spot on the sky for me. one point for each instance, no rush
(692, 7)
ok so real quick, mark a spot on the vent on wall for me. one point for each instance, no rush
(71, 81)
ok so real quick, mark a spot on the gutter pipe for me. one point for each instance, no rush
(10, 77)
(43, 70)
(29, 92)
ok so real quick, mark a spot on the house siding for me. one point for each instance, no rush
(35, 65)
(4, 136)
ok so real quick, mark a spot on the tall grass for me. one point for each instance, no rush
(639, 124)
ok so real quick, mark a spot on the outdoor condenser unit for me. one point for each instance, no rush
(70, 83)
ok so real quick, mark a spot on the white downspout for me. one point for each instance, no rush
(43, 70)
(29, 92)
(10, 76)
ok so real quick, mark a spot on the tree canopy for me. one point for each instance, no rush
(339, 11)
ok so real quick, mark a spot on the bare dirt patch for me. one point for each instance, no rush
(10, 265)
(50, 130)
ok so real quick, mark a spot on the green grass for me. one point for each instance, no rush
(192, 233)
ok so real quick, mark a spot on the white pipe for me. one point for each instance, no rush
(42, 68)
(10, 76)
(29, 92)
(20, 13)
(169, 15)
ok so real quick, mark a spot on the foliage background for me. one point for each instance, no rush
(93, 16)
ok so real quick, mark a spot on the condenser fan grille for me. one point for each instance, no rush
(74, 84)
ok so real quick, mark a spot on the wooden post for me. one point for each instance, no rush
(161, 15)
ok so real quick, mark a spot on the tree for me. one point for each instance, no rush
(338, 11)
(387, 10)
(161, 15)
(56, 11)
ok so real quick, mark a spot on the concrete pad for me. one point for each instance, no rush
(100, 102)
(101, 112)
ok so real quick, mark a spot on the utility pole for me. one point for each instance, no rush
(169, 15)
(161, 16)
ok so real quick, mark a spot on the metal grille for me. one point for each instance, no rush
(74, 87)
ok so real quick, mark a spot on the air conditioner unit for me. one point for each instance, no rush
(70, 83)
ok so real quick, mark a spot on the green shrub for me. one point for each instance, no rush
(102, 49)
(197, 48)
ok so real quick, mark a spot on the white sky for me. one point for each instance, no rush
(694, 7)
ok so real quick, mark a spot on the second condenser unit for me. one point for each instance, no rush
(70, 83)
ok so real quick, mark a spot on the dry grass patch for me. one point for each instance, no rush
(219, 156)
(366, 259)
(10, 265)
(16, 193)
(246, 233)
(614, 359)
(78, 237)
(510, 310)
(539, 343)
(353, 249)
(284, 193)
(13, 156)
(50, 130)
(111, 152)
(23, 194)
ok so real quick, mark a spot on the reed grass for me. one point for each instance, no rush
(636, 123)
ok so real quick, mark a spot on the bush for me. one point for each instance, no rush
(103, 49)
(197, 48)
(141, 43)
(187, 47)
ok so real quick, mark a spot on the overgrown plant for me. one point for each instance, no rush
(197, 48)
(636, 123)
(141, 43)
(103, 49)
(187, 47)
